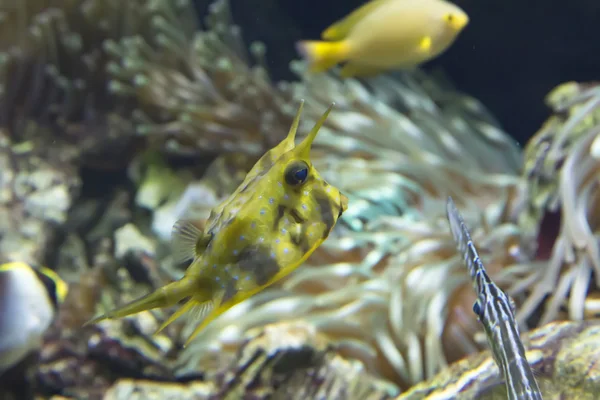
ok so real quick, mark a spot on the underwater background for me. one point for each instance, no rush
(118, 119)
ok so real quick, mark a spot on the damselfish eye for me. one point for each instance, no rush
(296, 173)
(449, 17)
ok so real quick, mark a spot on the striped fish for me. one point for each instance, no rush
(496, 312)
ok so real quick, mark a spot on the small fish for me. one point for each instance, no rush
(29, 299)
(386, 34)
(496, 312)
(275, 219)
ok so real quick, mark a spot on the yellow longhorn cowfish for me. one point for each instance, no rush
(386, 34)
(275, 219)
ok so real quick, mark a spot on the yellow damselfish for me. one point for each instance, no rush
(386, 34)
(275, 219)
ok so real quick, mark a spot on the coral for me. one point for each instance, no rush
(198, 90)
(156, 181)
(103, 254)
(38, 187)
(288, 360)
(562, 369)
(129, 389)
(84, 361)
(55, 64)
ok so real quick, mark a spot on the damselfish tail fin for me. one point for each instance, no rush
(322, 56)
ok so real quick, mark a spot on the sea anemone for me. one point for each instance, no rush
(54, 67)
(38, 187)
(562, 162)
(197, 89)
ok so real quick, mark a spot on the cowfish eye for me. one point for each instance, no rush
(296, 173)
(449, 18)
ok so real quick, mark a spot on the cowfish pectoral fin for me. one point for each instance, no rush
(165, 296)
(187, 241)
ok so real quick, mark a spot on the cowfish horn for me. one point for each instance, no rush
(303, 148)
(292, 132)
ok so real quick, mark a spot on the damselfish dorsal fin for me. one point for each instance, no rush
(188, 241)
(340, 29)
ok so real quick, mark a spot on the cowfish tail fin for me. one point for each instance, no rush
(322, 56)
(165, 296)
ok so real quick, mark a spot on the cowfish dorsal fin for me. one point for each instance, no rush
(188, 241)
(341, 28)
